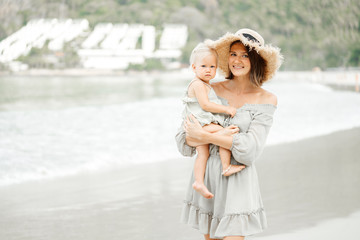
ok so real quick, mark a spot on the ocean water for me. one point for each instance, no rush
(58, 126)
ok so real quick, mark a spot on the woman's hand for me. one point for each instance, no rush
(193, 128)
(194, 132)
(228, 131)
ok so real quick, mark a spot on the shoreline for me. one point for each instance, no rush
(144, 201)
(346, 80)
(127, 167)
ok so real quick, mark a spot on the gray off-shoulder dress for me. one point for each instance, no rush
(237, 208)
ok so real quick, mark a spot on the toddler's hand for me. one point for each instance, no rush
(231, 111)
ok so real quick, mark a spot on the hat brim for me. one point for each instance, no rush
(270, 54)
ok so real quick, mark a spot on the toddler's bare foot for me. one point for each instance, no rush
(202, 189)
(232, 169)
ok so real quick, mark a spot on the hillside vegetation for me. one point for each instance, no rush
(323, 33)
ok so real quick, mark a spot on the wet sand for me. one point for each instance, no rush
(303, 184)
(330, 229)
(306, 182)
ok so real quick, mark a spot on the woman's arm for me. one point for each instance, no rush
(247, 146)
(181, 143)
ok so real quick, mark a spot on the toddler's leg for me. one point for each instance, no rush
(228, 169)
(199, 171)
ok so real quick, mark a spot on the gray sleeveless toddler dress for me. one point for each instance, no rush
(237, 208)
(193, 107)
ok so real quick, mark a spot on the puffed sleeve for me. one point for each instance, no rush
(247, 146)
(183, 148)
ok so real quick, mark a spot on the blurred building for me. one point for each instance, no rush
(107, 46)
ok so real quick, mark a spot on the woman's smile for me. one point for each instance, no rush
(238, 67)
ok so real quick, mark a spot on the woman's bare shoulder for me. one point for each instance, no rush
(268, 97)
(216, 84)
(219, 86)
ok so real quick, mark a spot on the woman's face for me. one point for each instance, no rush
(239, 62)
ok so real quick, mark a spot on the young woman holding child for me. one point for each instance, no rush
(235, 208)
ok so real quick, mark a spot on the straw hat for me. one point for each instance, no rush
(250, 38)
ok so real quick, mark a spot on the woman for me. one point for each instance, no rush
(236, 210)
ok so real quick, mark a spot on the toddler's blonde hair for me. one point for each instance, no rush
(200, 51)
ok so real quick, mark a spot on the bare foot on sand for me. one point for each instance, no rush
(202, 189)
(232, 169)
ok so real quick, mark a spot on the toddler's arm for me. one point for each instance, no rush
(202, 97)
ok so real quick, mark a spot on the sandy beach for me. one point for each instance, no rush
(144, 201)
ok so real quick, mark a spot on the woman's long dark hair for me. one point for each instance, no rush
(258, 66)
